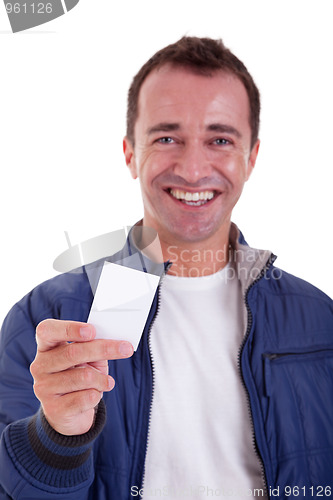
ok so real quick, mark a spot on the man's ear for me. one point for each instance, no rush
(252, 159)
(130, 157)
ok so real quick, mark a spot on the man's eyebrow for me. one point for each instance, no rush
(163, 127)
(214, 127)
(220, 127)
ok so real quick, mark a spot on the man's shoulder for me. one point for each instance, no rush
(71, 285)
(293, 309)
(280, 282)
(260, 269)
(66, 296)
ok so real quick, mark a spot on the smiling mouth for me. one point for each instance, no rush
(195, 199)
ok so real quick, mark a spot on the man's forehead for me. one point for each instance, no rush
(171, 71)
(170, 86)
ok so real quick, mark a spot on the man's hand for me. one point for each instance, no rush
(70, 372)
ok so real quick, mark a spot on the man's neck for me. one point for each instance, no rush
(191, 259)
(195, 260)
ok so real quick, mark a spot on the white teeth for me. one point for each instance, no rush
(187, 196)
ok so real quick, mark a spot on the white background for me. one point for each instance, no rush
(62, 119)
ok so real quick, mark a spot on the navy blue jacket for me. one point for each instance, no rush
(286, 363)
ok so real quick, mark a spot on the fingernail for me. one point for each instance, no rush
(85, 332)
(111, 383)
(125, 349)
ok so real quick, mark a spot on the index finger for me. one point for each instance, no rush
(53, 332)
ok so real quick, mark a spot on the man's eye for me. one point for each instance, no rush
(165, 140)
(221, 141)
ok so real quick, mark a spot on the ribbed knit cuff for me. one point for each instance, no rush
(52, 458)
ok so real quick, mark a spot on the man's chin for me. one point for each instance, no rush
(175, 231)
(190, 235)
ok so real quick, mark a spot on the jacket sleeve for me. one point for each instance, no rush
(35, 461)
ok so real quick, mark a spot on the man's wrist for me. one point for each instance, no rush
(49, 459)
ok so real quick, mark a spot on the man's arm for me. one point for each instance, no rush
(39, 460)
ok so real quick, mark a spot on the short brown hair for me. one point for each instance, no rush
(203, 56)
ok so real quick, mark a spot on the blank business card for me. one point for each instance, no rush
(122, 303)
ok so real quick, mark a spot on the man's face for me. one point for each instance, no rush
(192, 152)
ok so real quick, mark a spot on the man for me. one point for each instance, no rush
(230, 390)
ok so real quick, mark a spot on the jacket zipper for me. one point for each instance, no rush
(168, 265)
(249, 326)
(248, 330)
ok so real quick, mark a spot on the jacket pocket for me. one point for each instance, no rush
(299, 390)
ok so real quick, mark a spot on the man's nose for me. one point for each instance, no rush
(192, 163)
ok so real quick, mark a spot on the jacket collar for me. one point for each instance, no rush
(248, 262)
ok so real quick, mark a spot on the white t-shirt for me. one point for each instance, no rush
(200, 441)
